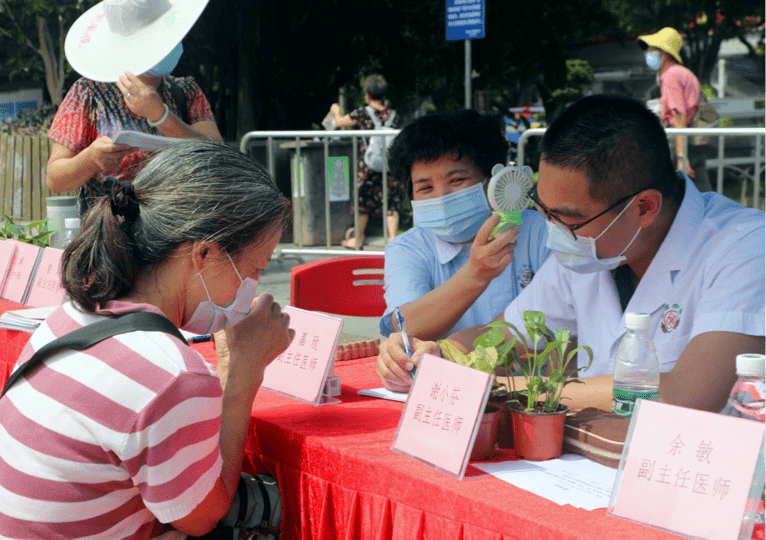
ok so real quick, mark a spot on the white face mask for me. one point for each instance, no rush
(209, 317)
(580, 255)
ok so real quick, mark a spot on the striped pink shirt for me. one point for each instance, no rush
(112, 442)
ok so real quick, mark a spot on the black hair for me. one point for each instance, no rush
(193, 190)
(618, 143)
(428, 138)
(376, 86)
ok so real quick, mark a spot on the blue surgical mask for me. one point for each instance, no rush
(167, 64)
(456, 217)
(653, 60)
(580, 255)
(209, 317)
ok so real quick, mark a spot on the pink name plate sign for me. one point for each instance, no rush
(300, 371)
(690, 472)
(22, 267)
(442, 415)
(46, 288)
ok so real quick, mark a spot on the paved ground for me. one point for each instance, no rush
(276, 280)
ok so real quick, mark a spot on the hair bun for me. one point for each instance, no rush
(123, 201)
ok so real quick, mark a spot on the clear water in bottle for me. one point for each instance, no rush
(636, 366)
(71, 228)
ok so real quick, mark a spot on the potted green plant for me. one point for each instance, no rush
(35, 232)
(538, 422)
(488, 355)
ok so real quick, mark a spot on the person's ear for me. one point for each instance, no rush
(649, 204)
(202, 253)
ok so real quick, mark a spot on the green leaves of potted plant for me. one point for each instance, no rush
(538, 425)
(488, 357)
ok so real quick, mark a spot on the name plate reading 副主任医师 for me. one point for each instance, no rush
(301, 370)
(442, 415)
(690, 472)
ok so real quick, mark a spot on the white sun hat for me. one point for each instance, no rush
(116, 36)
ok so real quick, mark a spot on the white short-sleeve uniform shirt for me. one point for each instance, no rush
(708, 275)
(418, 262)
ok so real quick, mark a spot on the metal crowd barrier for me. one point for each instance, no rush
(299, 137)
(720, 162)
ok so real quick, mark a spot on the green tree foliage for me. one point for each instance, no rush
(32, 36)
(704, 23)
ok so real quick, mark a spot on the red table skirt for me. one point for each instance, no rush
(340, 479)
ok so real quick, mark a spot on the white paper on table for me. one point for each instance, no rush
(384, 393)
(570, 479)
(26, 320)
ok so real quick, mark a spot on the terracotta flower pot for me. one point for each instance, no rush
(538, 436)
(486, 439)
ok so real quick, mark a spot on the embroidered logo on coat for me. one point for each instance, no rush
(671, 318)
(525, 276)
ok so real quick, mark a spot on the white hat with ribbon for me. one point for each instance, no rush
(116, 36)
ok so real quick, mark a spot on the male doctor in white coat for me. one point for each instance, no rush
(630, 233)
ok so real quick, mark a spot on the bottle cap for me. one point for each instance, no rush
(637, 321)
(72, 223)
(751, 364)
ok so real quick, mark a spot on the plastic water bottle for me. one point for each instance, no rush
(71, 228)
(748, 400)
(748, 395)
(636, 367)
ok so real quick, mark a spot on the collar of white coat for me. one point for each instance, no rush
(446, 251)
(674, 251)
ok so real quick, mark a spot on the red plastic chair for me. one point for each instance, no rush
(341, 286)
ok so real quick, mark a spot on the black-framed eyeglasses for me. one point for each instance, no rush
(532, 194)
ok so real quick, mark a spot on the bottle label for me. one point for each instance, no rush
(624, 400)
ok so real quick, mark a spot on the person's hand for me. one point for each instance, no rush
(394, 365)
(141, 99)
(257, 340)
(108, 156)
(689, 171)
(490, 256)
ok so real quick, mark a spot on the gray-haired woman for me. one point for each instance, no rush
(134, 437)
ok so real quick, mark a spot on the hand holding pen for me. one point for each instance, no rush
(405, 338)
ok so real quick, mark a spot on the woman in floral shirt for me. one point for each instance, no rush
(371, 182)
(93, 112)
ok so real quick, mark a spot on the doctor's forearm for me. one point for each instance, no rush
(432, 315)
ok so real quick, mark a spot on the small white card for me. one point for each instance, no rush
(144, 141)
(689, 472)
(442, 416)
(301, 370)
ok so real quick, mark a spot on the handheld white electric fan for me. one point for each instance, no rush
(508, 194)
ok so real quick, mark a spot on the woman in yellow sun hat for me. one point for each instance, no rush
(679, 97)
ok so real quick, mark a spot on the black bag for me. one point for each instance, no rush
(255, 513)
(257, 505)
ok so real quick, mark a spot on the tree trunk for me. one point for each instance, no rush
(54, 79)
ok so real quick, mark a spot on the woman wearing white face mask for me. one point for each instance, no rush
(125, 51)
(446, 273)
(679, 97)
(142, 413)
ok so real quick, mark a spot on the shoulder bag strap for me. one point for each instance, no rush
(391, 119)
(90, 334)
(373, 116)
(179, 97)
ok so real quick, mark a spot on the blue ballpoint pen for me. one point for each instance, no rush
(405, 337)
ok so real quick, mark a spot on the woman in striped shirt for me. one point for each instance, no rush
(134, 437)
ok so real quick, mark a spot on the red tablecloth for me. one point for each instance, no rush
(340, 478)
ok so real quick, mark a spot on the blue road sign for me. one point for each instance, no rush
(465, 19)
